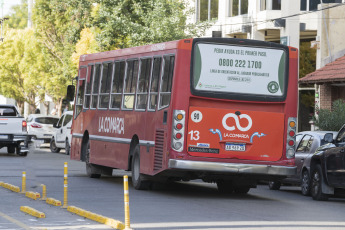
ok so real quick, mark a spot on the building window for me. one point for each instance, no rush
(208, 9)
(238, 7)
(270, 5)
(311, 5)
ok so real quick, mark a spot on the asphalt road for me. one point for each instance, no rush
(188, 205)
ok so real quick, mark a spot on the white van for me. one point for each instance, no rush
(62, 136)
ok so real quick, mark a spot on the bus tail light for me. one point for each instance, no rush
(291, 137)
(178, 125)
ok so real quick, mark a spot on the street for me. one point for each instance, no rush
(183, 205)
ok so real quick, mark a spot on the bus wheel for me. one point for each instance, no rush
(137, 178)
(91, 170)
(225, 186)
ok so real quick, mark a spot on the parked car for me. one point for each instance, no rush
(306, 144)
(328, 167)
(13, 130)
(40, 127)
(62, 136)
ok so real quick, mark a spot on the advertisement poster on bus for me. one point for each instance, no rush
(239, 69)
(226, 133)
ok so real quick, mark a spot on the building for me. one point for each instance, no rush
(290, 22)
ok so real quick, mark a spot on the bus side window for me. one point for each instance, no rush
(130, 84)
(117, 85)
(105, 85)
(81, 90)
(143, 83)
(166, 82)
(88, 83)
(153, 95)
(95, 86)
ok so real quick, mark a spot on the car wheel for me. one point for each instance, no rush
(91, 170)
(225, 186)
(67, 147)
(316, 184)
(138, 181)
(11, 149)
(274, 185)
(53, 147)
(305, 183)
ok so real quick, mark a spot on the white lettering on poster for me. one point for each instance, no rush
(111, 125)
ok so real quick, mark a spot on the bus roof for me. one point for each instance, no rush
(182, 44)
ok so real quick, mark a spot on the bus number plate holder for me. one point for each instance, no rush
(235, 147)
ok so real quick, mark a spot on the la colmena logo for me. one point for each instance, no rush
(238, 126)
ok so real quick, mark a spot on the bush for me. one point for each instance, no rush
(331, 120)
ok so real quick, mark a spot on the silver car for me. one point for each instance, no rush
(306, 144)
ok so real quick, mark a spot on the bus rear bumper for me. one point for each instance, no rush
(232, 168)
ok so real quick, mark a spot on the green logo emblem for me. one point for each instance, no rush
(273, 87)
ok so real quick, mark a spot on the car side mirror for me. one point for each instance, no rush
(328, 137)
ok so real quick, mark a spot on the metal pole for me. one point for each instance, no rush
(65, 185)
(125, 188)
(23, 182)
(44, 192)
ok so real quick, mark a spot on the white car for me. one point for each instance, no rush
(62, 136)
(40, 127)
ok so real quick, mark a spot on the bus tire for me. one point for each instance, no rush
(91, 170)
(53, 147)
(138, 181)
(225, 186)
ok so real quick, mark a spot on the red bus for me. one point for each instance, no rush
(218, 109)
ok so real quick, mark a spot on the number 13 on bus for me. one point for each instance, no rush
(218, 109)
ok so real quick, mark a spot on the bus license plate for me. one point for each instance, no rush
(235, 147)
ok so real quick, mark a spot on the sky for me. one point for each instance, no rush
(7, 6)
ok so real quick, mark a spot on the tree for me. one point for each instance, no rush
(127, 23)
(22, 66)
(19, 18)
(58, 24)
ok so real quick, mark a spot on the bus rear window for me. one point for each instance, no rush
(232, 71)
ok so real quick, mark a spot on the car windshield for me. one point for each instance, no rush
(47, 120)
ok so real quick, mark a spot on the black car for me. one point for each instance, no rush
(328, 167)
(306, 144)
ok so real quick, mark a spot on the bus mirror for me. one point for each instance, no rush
(70, 92)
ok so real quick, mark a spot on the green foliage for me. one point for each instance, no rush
(22, 66)
(19, 18)
(127, 23)
(307, 59)
(332, 120)
(58, 24)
